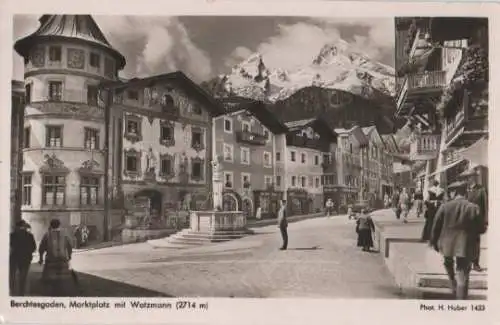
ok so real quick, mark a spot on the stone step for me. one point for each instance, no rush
(445, 294)
(476, 281)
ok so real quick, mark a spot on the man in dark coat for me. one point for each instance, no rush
(456, 226)
(283, 224)
(22, 247)
(477, 195)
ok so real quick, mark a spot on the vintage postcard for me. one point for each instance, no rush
(225, 163)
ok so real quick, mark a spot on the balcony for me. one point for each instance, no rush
(304, 142)
(251, 138)
(425, 147)
(469, 124)
(418, 85)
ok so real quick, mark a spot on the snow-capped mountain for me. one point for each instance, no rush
(337, 66)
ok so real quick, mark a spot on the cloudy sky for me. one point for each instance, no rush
(206, 46)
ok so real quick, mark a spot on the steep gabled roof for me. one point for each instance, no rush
(256, 108)
(68, 27)
(177, 77)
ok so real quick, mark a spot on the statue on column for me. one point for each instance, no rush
(216, 183)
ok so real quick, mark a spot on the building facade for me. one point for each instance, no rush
(310, 149)
(249, 145)
(161, 133)
(66, 59)
(444, 90)
(16, 153)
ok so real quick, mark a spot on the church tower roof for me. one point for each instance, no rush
(70, 27)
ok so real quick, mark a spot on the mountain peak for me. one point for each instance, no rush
(337, 66)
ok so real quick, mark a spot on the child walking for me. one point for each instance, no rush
(364, 228)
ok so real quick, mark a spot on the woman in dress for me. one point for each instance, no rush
(364, 228)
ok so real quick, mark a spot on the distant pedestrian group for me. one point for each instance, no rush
(55, 252)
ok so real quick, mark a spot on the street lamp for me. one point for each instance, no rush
(105, 96)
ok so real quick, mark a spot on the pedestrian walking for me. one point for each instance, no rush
(350, 212)
(418, 198)
(329, 208)
(57, 249)
(456, 226)
(477, 194)
(283, 224)
(364, 229)
(404, 203)
(386, 200)
(22, 247)
(395, 203)
(258, 213)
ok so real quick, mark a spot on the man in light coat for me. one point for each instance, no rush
(456, 226)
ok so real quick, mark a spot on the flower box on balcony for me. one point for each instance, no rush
(251, 138)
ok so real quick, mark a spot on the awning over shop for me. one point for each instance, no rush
(476, 153)
(457, 184)
(445, 168)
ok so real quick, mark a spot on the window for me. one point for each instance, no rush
(303, 158)
(303, 181)
(92, 94)
(166, 133)
(109, 68)
(267, 134)
(196, 169)
(292, 155)
(166, 166)
(95, 60)
(326, 159)
(278, 156)
(245, 126)
(27, 91)
(53, 191)
(294, 180)
(131, 164)
(55, 91)
(133, 127)
(267, 159)
(55, 53)
(196, 138)
(316, 182)
(26, 199)
(53, 136)
(278, 180)
(228, 179)
(89, 190)
(91, 139)
(228, 125)
(228, 152)
(245, 180)
(133, 95)
(268, 180)
(245, 156)
(26, 137)
(316, 160)
(197, 109)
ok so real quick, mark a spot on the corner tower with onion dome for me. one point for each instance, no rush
(65, 60)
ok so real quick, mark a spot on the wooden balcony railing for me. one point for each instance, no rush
(426, 80)
(425, 147)
(251, 138)
(304, 142)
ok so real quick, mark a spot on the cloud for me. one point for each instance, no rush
(239, 54)
(296, 44)
(151, 45)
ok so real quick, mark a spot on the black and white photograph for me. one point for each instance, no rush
(249, 156)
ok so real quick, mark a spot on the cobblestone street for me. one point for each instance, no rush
(322, 261)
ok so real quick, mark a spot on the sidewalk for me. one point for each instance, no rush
(416, 268)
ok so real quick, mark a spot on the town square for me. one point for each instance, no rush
(350, 175)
